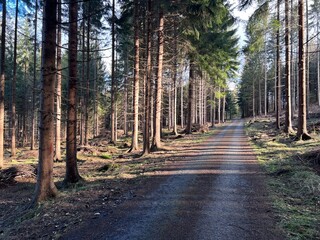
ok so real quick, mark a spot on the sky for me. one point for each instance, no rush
(242, 16)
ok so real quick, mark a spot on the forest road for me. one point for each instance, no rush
(216, 191)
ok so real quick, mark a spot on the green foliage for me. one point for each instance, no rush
(232, 106)
(106, 156)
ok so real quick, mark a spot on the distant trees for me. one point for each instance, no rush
(188, 33)
(289, 71)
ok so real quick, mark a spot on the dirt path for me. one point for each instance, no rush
(216, 191)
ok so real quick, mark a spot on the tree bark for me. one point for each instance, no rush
(135, 126)
(175, 79)
(86, 111)
(45, 187)
(265, 81)
(302, 133)
(125, 103)
(219, 106)
(190, 98)
(13, 89)
(307, 59)
(2, 78)
(260, 97)
(318, 61)
(214, 108)
(253, 100)
(147, 110)
(169, 106)
(81, 83)
(288, 126)
(95, 92)
(33, 118)
(278, 90)
(224, 105)
(72, 174)
(181, 103)
(113, 83)
(156, 143)
(211, 107)
(59, 78)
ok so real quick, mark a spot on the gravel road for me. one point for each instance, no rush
(216, 191)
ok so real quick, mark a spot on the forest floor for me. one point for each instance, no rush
(113, 178)
(294, 170)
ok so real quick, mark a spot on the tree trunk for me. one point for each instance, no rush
(135, 129)
(260, 97)
(95, 92)
(147, 110)
(181, 103)
(33, 118)
(318, 61)
(224, 105)
(115, 97)
(86, 111)
(45, 187)
(275, 83)
(190, 98)
(278, 91)
(113, 84)
(169, 107)
(125, 103)
(214, 108)
(302, 133)
(59, 78)
(2, 78)
(200, 99)
(72, 174)
(174, 106)
(307, 59)
(219, 106)
(253, 100)
(211, 107)
(288, 126)
(82, 113)
(24, 111)
(318, 74)
(14, 81)
(156, 143)
(265, 81)
(205, 103)
(195, 104)
(293, 74)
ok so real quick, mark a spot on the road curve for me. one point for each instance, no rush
(217, 191)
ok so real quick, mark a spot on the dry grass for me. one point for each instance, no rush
(293, 167)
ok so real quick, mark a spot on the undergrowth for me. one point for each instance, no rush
(293, 182)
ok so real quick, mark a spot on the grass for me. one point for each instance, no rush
(106, 156)
(294, 182)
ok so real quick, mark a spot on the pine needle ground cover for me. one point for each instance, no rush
(111, 177)
(294, 180)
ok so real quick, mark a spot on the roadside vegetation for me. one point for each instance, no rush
(294, 181)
